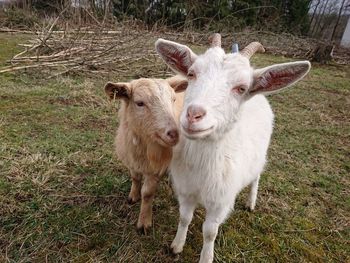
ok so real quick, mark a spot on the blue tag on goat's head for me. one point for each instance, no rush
(235, 48)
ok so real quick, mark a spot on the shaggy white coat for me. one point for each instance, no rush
(226, 149)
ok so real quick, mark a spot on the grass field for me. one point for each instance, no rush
(63, 194)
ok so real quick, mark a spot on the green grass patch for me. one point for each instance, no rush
(63, 193)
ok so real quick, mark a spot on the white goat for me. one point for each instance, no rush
(226, 126)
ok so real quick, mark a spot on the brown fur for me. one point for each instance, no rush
(138, 142)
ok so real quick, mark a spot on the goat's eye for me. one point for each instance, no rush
(240, 89)
(190, 74)
(140, 103)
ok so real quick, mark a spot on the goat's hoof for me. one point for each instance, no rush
(246, 208)
(131, 201)
(143, 230)
(175, 250)
(174, 253)
(169, 251)
(176, 257)
(249, 208)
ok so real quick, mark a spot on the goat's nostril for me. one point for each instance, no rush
(173, 134)
(195, 113)
(198, 117)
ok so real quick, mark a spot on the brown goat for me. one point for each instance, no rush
(148, 121)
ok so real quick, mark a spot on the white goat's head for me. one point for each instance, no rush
(149, 109)
(219, 83)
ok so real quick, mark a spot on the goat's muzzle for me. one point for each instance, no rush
(195, 113)
(168, 137)
(173, 136)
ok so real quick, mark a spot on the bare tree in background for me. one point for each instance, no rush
(315, 11)
(328, 18)
(338, 18)
(319, 18)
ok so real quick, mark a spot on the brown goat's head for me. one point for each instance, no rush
(149, 108)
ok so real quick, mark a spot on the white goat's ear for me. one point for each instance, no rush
(178, 57)
(277, 77)
(178, 83)
(120, 90)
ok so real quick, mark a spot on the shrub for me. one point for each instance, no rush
(19, 18)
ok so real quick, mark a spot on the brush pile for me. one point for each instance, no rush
(128, 50)
(284, 44)
(87, 50)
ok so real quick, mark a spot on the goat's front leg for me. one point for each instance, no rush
(214, 218)
(187, 207)
(148, 190)
(135, 191)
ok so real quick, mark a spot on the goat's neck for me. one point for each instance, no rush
(206, 155)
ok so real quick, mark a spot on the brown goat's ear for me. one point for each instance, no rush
(178, 83)
(178, 57)
(277, 77)
(120, 90)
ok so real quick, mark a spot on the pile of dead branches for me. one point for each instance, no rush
(284, 44)
(124, 50)
(129, 51)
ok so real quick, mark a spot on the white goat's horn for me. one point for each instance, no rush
(250, 50)
(215, 40)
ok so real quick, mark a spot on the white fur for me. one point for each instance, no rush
(228, 150)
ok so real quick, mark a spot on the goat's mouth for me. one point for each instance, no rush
(197, 133)
(165, 142)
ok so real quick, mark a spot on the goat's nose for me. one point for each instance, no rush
(173, 134)
(195, 113)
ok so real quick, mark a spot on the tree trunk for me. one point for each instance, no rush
(323, 53)
(318, 21)
(313, 15)
(338, 19)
